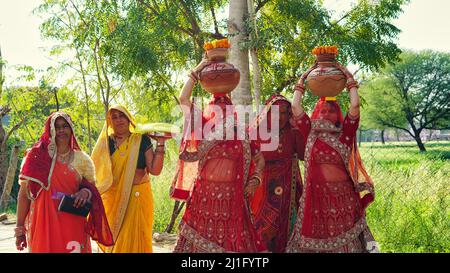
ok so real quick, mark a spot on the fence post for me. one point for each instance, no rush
(10, 177)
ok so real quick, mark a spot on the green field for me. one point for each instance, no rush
(411, 208)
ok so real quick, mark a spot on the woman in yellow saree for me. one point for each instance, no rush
(123, 160)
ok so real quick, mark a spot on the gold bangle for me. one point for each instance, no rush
(257, 178)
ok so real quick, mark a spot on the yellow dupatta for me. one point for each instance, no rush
(115, 174)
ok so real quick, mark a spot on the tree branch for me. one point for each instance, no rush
(156, 13)
(213, 14)
(192, 20)
(388, 124)
(15, 127)
(79, 14)
(260, 5)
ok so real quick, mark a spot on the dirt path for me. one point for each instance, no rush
(7, 240)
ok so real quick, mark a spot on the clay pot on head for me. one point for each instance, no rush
(326, 80)
(219, 76)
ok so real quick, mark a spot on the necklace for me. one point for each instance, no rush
(65, 154)
(64, 158)
(121, 152)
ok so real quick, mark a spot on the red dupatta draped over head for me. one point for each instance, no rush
(38, 167)
(40, 159)
(328, 109)
(187, 167)
(276, 99)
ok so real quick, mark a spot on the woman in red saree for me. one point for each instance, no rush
(275, 203)
(55, 166)
(213, 178)
(331, 215)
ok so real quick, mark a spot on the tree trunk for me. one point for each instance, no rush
(3, 166)
(3, 154)
(419, 140)
(86, 97)
(257, 77)
(239, 58)
(2, 79)
(4, 200)
(55, 93)
(382, 137)
(177, 207)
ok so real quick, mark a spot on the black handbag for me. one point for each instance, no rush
(66, 205)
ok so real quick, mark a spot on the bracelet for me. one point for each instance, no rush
(194, 75)
(352, 83)
(19, 231)
(299, 88)
(255, 176)
(193, 79)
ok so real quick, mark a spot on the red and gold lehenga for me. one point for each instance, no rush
(331, 216)
(211, 177)
(275, 202)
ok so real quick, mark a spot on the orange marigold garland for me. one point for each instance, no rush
(223, 43)
(325, 50)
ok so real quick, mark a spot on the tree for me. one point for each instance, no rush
(9, 181)
(239, 55)
(5, 110)
(412, 95)
(289, 30)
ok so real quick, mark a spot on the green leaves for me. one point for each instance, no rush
(412, 95)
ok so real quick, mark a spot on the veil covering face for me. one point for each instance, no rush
(328, 110)
(190, 149)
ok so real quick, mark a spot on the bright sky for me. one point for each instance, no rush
(424, 26)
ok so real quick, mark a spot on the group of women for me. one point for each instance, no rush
(238, 197)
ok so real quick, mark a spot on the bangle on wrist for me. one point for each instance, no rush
(19, 231)
(255, 176)
(192, 79)
(352, 83)
(195, 75)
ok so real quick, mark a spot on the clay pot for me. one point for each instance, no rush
(219, 76)
(326, 80)
(217, 54)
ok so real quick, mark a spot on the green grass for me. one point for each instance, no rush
(411, 208)
(163, 204)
